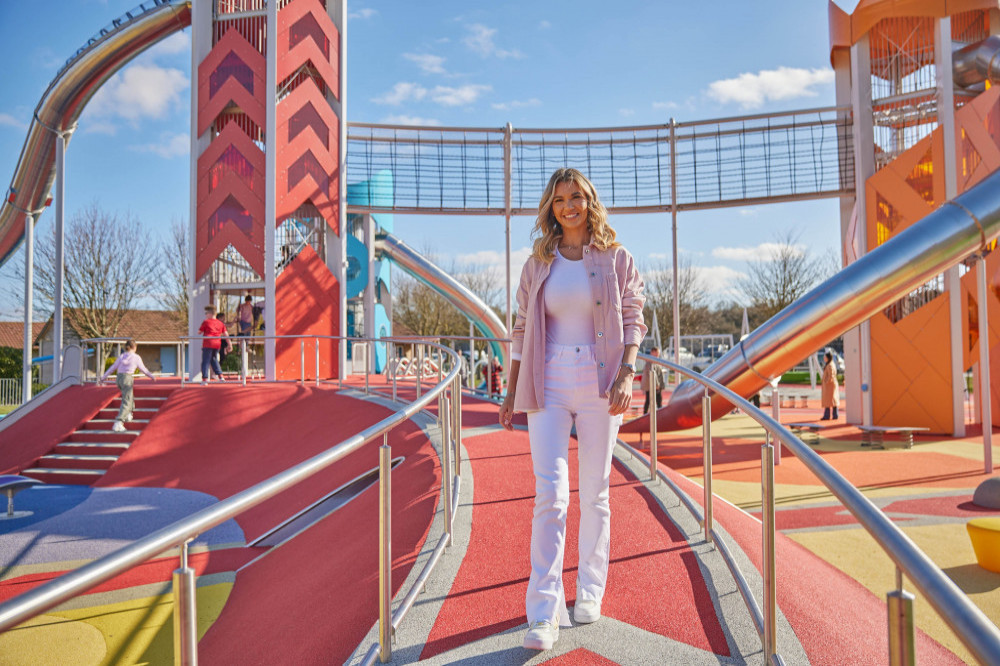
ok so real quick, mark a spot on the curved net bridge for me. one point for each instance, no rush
(754, 159)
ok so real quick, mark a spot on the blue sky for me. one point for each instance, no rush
(533, 63)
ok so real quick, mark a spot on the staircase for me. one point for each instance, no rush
(82, 458)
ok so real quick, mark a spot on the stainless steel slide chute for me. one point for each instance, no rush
(473, 307)
(955, 231)
(64, 100)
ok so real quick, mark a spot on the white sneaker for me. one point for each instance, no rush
(586, 611)
(541, 636)
(118, 426)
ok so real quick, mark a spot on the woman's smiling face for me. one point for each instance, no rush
(569, 206)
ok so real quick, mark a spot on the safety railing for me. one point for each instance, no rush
(402, 367)
(179, 534)
(969, 623)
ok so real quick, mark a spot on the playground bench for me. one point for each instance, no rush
(811, 428)
(875, 435)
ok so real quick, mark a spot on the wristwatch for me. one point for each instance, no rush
(629, 366)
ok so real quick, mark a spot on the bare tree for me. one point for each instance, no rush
(109, 266)
(785, 273)
(176, 264)
(693, 298)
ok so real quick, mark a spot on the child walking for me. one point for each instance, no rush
(125, 365)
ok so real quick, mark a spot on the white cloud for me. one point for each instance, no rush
(429, 64)
(496, 263)
(665, 106)
(544, 25)
(365, 13)
(762, 252)
(140, 91)
(719, 280)
(753, 90)
(409, 120)
(517, 104)
(10, 121)
(480, 40)
(626, 113)
(170, 145)
(402, 92)
(179, 42)
(460, 96)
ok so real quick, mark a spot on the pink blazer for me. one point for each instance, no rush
(617, 290)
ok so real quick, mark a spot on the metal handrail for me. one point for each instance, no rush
(980, 635)
(179, 533)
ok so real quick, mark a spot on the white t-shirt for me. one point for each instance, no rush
(569, 309)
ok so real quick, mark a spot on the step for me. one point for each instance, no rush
(137, 414)
(106, 424)
(139, 403)
(76, 461)
(96, 448)
(74, 477)
(102, 436)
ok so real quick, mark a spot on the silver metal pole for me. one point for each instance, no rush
(317, 361)
(653, 452)
(385, 551)
(706, 427)
(457, 432)
(446, 472)
(368, 349)
(985, 405)
(302, 360)
(420, 367)
(29, 269)
(395, 369)
(185, 613)
(673, 227)
(60, 267)
(243, 361)
(507, 185)
(902, 637)
(767, 536)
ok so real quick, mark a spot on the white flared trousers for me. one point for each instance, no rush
(571, 393)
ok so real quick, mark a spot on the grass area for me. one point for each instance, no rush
(7, 409)
(802, 377)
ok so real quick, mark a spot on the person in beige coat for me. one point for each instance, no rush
(831, 389)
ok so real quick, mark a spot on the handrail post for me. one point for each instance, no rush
(767, 534)
(446, 473)
(317, 361)
(368, 360)
(302, 361)
(420, 366)
(706, 427)
(652, 438)
(385, 551)
(457, 432)
(185, 613)
(394, 369)
(243, 361)
(902, 640)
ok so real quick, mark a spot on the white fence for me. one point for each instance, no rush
(10, 391)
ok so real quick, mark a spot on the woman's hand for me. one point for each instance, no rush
(507, 411)
(620, 395)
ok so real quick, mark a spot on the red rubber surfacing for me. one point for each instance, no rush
(654, 581)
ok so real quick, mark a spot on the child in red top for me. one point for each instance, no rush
(213, 330)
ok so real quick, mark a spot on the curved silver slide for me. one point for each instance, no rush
(958, 229)
(414, 263)
(64, 101)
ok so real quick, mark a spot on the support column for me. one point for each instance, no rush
(368, 222)
(60, 272)
(673, 227)
(338, 10)
(270, 189)
(29, 267)
(507, 184)
(952, 279)
(864, 168)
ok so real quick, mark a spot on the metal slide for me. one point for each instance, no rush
(957, 230)
(414, 263)
(65, 98)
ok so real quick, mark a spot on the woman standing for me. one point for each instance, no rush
(831, 389)
(125, 365)
(578, 328)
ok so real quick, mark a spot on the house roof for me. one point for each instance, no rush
(12, 333)
(145, 326)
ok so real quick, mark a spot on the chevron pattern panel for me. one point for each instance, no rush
(308, 130)
(307, 304)
(978, 124)
(231, 199)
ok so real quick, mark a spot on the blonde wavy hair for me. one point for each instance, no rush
(547, 231)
